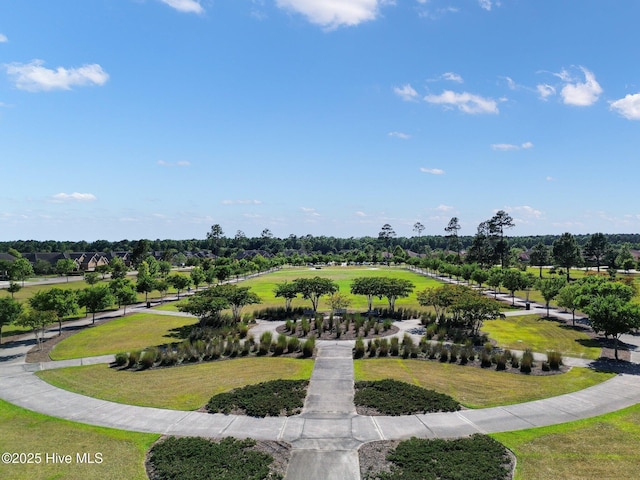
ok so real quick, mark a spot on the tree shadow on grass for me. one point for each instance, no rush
(181, 333)
(615, 366)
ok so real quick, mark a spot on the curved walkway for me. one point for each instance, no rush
(327, 434)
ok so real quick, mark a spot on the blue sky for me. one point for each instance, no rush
(158, 118)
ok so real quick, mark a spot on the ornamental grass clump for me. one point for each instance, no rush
(554, 359)
(308, 347)
(394, 348)
(293, 344)
(359, 350)
(121, 359)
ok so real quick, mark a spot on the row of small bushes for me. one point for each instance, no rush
(214, 349)
(337, 325)
(454, 353)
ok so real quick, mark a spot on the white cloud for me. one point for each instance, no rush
(187, 6)
(443, 208)
(361, 214)
(3, 38)
(452, 77)
(241, 202)
(73, 197)
(432, 171)
(332, 14)
(400, 135)
(545, 90)
(504, 147)
(310, 211)
(628, 107)
(465, 102)
(181, 163)
(578, 93)
(525, 211)
(406, 92)
(33, 77)
(550, 179)
(488, 4)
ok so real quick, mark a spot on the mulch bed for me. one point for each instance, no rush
(348, 335)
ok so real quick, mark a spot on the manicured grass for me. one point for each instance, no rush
(132, 332)
(475, 388)
(186, 387)
(541, 335)
(123, 453)
(599, 447)
(264, 285)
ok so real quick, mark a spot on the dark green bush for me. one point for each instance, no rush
(121, 359)
(308, 346)
(264, 399)
(391, 397)
(190, 458)
(478, 457)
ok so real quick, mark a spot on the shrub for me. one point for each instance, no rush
(444, 355)
(121, 359)
(501, 362)
(134, 357)
(464, 357)
(515, 361)
(554, 359)
(281, 344)
(308, 347)
(383, 349)
(395, 347)
(293, 344)
(475, 457)
(386, 325)
(485, 359)
(358, 351)
(545, 367)
(264, 399)
(147, 359)
(391, 397)
(187, 457)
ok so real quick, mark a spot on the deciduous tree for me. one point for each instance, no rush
(10, 310)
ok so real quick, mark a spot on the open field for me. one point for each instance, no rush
(132, 332)
(475, 388)
(540, 335)
(595, 448)
(187, 387)
(123, 453)
(343, 276)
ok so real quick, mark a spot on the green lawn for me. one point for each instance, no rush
(186, 387)
(603, 447)
(123, 453)
(264, 285)
(132, 332)
(475, 388)
(540, 335)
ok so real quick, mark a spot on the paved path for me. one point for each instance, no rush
(327, 434)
